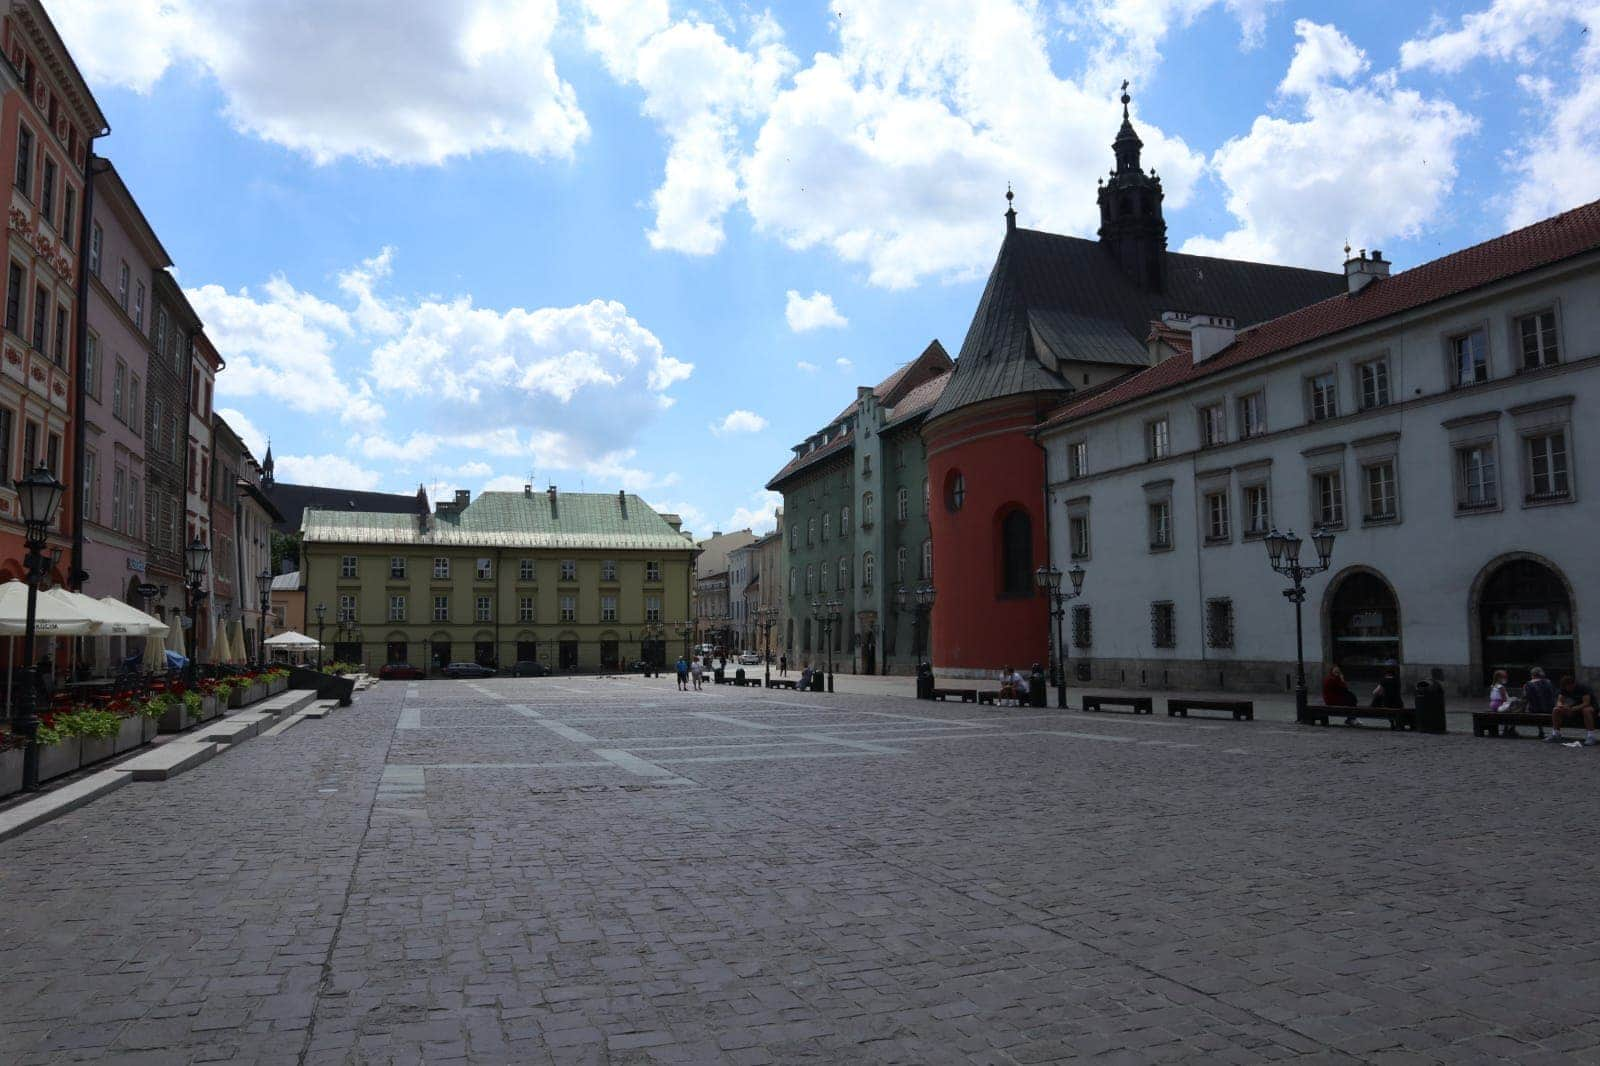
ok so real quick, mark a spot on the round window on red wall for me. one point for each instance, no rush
(955, 490)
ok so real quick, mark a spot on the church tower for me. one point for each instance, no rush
(1132, 228)
(267, 479)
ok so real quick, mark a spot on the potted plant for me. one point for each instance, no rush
(233, 690)
(195, 705)
(98, 729)
(60, 747)
(10, 765)
(130, 726)
(172, 716)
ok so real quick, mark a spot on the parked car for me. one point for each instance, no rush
(749, 658)
(639, 666)
(529, 668)
(400, 672)
(704, 649)
(468, 670)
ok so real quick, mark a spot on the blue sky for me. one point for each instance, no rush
(610, 244)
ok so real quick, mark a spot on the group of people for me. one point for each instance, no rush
(1572, 700)
(690, 670)
(1336, 692)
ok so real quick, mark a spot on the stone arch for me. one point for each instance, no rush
(1361, 623)
(1479, 635)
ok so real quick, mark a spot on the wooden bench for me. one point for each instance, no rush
(1242, 710)
(1137, 704)
(783, 682)
(1494, 724)
(1397, 717)
(965, 695)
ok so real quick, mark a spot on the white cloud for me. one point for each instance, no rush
(695, 520)
(1565, 170)
(844, 364)
(338, 78)
(1364, 162)
(330, 469)
(805, 367)
(252, 436)
(806, 313)
(1505, 30)
(740, 421)
(761, 517)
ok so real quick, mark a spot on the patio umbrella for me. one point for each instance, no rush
(55, 614)
(241, 653)
(135, 619)
(155, 653)
(175, 640)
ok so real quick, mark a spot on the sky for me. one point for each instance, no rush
(651, 246)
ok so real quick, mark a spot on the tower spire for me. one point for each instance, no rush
(1011, 212)
(1132, 228)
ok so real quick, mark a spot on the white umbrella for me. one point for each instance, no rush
(54, 615)
(241, 653)
(135, 619)
(155, 654)
(291, 639)
(175, 640)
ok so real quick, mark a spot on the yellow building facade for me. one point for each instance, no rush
(576, 581)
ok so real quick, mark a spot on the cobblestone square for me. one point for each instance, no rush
(609, 870)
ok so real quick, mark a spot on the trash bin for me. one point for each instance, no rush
(739, 675)
(816, 681)
(924, 681)
(716, 674)
(1037, 687)
(1430, 707)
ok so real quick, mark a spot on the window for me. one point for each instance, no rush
(1469, 355)
(811, 531)
(868, 569)
(811, 578)
(23, 179)
(525, 570)
(138, 304)
(1538, 335)
(1157, 441)
(792, 578)
(1252, 415)
(1078, 534)
(1322, 396)
(397, 566)
(5, 445)
(794, 537)
(90, 510)
(525, 609)
(1374, 383)
(30, 446)
(117, 377)
(122, 285)
(1382, 502)
(47, 195)
(61, 335)
(608, 608)
(14, 299)
(135, 411)
(347, 566)
(397, 608)
(652, 571)
(161, 329)
(1257, 511)
(925, 497)
(1213, 426)
(132, 525)
(97, 241)
(569, 608)
(441, 568)
(955, 491)
(1476, 486)
(52, 453)
(866, 510)
(844, 520)
(827, 526)
(1082, 626)
(69, 211)
(1217, 528)
(119, 479)
(483, 609)
(1547, 466)
(1327, 499)
(485, 569)
(441, 608)
(41, 314)
(347, 608)
(900, 565)
(1161, 525)
(1077, 458)
(91, 364)
(844, 574)
(902, 505)
(652, 607)
(926, 573)
(1163, 624)
(1219, 623)
(1016, 554)
(569, 570)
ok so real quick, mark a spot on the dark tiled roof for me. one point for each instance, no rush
(1053, 298)
(1561, 237)
(837, 446)
(292, 501)
(918, 401)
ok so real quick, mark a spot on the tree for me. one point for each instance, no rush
(285, 547)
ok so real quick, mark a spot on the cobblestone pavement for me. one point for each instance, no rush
(610, 870)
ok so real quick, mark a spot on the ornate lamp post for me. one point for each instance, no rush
(1048, 578)
(196, 556)
(826, 615)
(925, 595)
(264, 586)
(39, 495)
(685, 630)
(321, 610)
(766, 618)
(1283, 553)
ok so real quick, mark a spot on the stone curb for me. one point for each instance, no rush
(54, 804)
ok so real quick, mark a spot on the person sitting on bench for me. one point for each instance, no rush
(1575, 701)
(805, 678)
(1386, 693)
(1013, 687)
(1336, 692)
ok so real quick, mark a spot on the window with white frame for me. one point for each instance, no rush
(1161, 525)
(1257, 510)
(1374, 375)
(1218, 530)
(900, 565)
(1537, 334)
(397, 566)
(608, 570)
(1381, 498)
(652, 606)
(844, 520)
(811, 578)
(902, 504)
(1322, 396)
(1078, 535)
(1077, 458)
(866, 510)
(869, 566)
(652, 571)
(1163, 624)
(569, 608)
(441, 608)
(397, 608)
(1477, 481)
(844, 572)
(347, 608)
(926, 573)
(569, 570)
(485, 569)
(1213, 425)
(1327, 499)
(608, 608)
(525, 570)
(483, 611)
(1219, 623)
(441, 567)
(347, 566)
(525, 611)
(1252, 415)
(827, 525)
(1547, 466)
(1469, 354)
(811, 531)
(1157, 440)
(926, 499)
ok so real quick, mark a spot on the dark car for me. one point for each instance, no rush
(529, 668)
(468, 670)
(400, 672)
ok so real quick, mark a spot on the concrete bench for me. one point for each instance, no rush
(169, 760)
(965, 695)
(321, 709)
(1137, 704)
(1242, 710)
(1397, 717)
(781, 682)
(58, 801)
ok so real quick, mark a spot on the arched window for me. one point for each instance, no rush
(827, 526)
(791, 580)
(811, 577)
(955, 490)
(924, 495)
(927, 560)
(1016, 554)
(844, 520)
(868, 568)
(811, 531)
(866, 510)
(844, 573)
(1365, 620)
(902, 504)
(1526, 619)
(900, 565)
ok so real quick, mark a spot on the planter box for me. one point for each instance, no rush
(131, 733)
(176, 720)
(97, 749)
(275, 687)
(258, 692)
(236, 697)
(149, 727)
(58, 759)
(211, 706)
(10, 771)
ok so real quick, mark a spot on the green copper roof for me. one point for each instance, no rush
(510, 520)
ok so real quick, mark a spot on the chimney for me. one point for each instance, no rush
(551, 492)
(1360, 271)
(463, 497)
(527, 491)
(622, 502)
(1209, 334)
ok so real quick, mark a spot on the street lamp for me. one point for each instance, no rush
(1283, 553)
(925, 595)
(39, 494)
(196, 556)
(1048, 578)
(264, 584)
(826, 616)
(321, 610)
(766, 618)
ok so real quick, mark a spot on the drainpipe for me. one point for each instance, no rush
(80, 374)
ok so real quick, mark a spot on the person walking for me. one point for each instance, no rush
(683, 674)
(783, 666)
(696, 671)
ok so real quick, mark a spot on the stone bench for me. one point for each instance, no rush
(1136, 704)
(58, 801)
(168, 760)
(1397, 717)
(965, 695)
(1242, 710)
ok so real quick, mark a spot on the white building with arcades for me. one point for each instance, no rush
(1440, 421)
